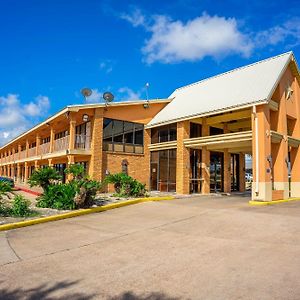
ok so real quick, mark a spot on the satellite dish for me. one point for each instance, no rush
(86, 92)
(108, 97)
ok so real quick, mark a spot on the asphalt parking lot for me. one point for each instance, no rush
(205, 247)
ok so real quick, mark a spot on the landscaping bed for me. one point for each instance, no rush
(59, 198)
(101, 199)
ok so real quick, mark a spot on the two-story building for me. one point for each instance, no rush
(193, 142)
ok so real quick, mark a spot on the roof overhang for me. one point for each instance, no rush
(211, 113)
(76, 108)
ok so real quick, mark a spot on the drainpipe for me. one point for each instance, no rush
(256, 151)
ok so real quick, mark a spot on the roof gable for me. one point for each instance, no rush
(234, 89)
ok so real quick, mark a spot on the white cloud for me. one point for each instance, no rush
(36, 108)
(135, 18)
(126, 94)
(107, 66)
(95, 97)
(172, 41)
(16, 117)
(288, 31)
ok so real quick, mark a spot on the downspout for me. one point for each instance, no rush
(256, 151)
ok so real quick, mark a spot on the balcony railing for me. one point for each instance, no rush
(61, 144)
(82, 141)
(23, 154)
(45, 148)
(32, 152)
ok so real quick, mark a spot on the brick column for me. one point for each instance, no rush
(27, 149)
(52, 135)
(13, 154)
(50, 162)
(36, 165)
(183, 159)
(38, 144)
(227, 174)
(26, 172)
(8, 170)
(72, 132)
(96, 165)
(71, 161)
(280, 150)
(242, 167)
(147, 142)
(19, 151)
(205, 161)
(18, 173)
(12, 172)
(264, 140)
(295, 151)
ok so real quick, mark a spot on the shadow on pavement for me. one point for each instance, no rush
(150, 296)
(44, 292)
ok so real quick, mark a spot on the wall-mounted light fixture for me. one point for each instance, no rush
(85, 118)
(289, 92)
(67, 114)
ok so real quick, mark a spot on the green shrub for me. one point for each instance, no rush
(125, 185)
(5, 187)
(86, 188)
(44, 177)
(58, 196)
(20, 206)
(4, 211)
(76, 170)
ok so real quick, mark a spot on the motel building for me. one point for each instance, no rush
(193, 142)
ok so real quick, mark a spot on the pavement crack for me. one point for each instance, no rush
(11, 247)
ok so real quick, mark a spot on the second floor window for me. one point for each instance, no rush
(46, 140)
(165, 133)
(122, 136)
(61, 134)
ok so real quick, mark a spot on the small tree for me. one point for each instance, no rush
(43, 177)
(86, 188)
(76, 170)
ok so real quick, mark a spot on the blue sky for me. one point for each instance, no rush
(50, 49)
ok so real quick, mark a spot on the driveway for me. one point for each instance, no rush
(190, 248)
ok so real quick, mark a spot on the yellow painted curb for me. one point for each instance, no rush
(81, 212)
(263, 203)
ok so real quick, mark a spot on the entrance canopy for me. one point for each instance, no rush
(234, 142)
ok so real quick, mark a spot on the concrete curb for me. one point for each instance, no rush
(81, 212)
(264, 203)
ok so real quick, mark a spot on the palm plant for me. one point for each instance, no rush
(43, 177)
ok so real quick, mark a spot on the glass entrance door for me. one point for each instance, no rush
(216, 172)
(195, 181)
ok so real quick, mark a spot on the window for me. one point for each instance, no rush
(61, 134)
(163, 170)
(82, 136)
(195, 130)
(215, 131)
(122, 136)
(46, 140)
(164, 134)
(32, 145)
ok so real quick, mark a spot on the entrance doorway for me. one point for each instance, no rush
(195, 161)
(163, 170)
(216, 171)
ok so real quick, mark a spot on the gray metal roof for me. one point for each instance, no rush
(240, 87)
